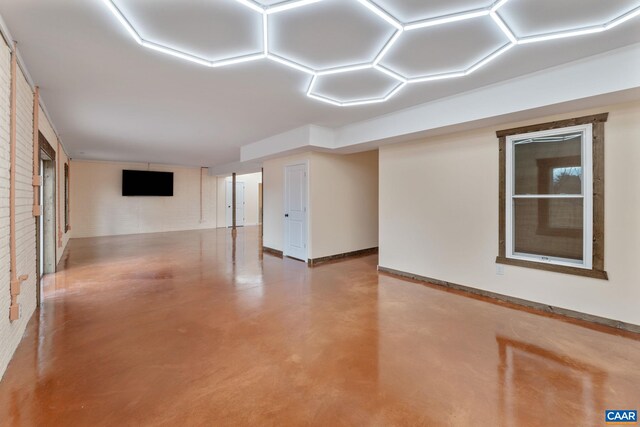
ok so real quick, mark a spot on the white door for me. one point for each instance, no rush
(239, 204)
(295, 212)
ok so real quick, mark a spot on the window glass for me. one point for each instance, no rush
(549, 227)
(548, 165)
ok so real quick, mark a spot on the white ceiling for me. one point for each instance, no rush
(111, 99)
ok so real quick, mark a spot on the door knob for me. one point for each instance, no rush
(286, 215)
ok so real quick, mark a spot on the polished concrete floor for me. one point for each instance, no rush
(200, 329)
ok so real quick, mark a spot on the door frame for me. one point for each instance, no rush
(46, 154)
(307, 234)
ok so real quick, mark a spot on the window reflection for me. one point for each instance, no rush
(552, 380)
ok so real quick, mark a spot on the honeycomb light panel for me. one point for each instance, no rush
(340, 33)
(356, 80)
(180, 54)
(370, 6)
(446, 51)
(530, 26)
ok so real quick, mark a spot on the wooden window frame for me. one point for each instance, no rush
(46, 147)
(597, 266)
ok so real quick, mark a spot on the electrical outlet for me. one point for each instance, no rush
(500, 269)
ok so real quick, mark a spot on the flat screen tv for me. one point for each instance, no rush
(147, 183)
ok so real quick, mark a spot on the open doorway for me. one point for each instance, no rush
(248, 200)
(46, 222)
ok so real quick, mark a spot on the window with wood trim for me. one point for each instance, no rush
(552, 196)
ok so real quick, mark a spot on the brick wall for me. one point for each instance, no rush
(25, 222)
(11, 332)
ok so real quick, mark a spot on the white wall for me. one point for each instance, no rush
(343, 202)
(101, 209)
(343, 191)
(221, 202)
(273, 203)
(439, 218)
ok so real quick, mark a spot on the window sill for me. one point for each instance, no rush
(595, 274)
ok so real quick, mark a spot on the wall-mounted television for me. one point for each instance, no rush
(147, 183)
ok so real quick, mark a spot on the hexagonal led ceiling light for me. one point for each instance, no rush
(551, 19)
(331, 34)
(435, 52)
(188, 56)
(353, 81)
(270, 7)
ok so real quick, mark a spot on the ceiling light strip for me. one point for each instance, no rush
(395, 91)
(291, 64)
(381, 13)
(489, 58)
(362, 102)
(446, 19)
(125, 23)
(388, 46)
(371, 6)
(251, 5)
(312, 83)
(562, 34)
(332, 101)
(326, 100)
(281, 7)
(503, 27)
(623, 18)
(434, 77)
(265, 33)
(237, 60)
(390, 73)
(498, 4)
(175, 53)
(346, 69)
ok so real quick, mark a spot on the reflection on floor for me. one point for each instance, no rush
(200, 328)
